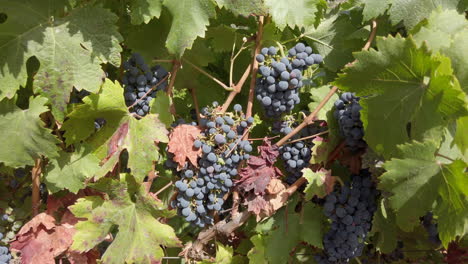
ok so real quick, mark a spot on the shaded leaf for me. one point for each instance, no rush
(24, 137)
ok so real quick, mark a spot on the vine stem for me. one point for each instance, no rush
(36, 182)
(445, 157)
(208, 75)
(311, 136)
(169, 184)
(175, 69)
(193, 92)
(371, 36)
(309, 119)
(254, 67)
(235, 90)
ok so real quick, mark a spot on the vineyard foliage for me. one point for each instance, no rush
(152, 131)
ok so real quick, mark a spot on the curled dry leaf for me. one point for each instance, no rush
(181, 144)
(40, 241)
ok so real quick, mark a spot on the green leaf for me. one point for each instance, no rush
(142, 11)
(140, 235)
(70, 49)
(244, 8)
(317, 94)
(446, 31)
(70, 170)
(307, 227)
(303, 13)
(160, 105)
(335, 39)
(189, 21)
(223, 38)
(374, 8)
(384, 228)
(461, 140)
(257, 253)
(223, 253)
(405, 86)
(451, 222)
(24, 137)
(109, 104)
(416, 180)
(315, 183)
(411, 12)
(146, 39)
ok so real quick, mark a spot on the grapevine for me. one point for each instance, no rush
(199, 131)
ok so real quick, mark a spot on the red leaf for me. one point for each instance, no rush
(40, 240)
(255, 204)
(260, 170)
(181, 144)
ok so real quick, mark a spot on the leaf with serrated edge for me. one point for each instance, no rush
(451, 223)
(403, 84)
(189, 21)
(257, 253)
(142, 11)
(284, 238)
(320, 183)
(374, 8)
(108, 104)
(316, 95)
(129, 207)
(245, 7)
(411, 12)
(223, 253)
(70, 50)
(24, 137)
(302, 13)
(384, 228)
(416, 180)
(70, 170)
(181, 144)
(447, 31)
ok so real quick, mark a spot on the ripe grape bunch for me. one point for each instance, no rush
(351, 210)
(348, 114)
(141, 83)
(5, 255)
(277, 88)
(428, 223)
(296, 156)
(201, 190)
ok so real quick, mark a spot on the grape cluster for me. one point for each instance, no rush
(277, 87)
(351, 210)
(141, 83)
(296, 155)
(201, 190)
(5, 255)
(431, 227)
(348, 114)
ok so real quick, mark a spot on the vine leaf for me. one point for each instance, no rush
(24, 137)
(446, 31)
(129, 207)
(223, 253)
(320, 150)
(416, 180)
(384, 228)
(140, 139)
(108, 104)
(41, 240)
(70, 49)
(303, 13)
(374, 8)
(285, 237)
(452, 223)
(190, 19)
(339, 36)
(181, 144)
(461, 140)
(244, 8)
(404, 85)
(411, 12)
(161, 105)
(142, 11)
(316, 95)
(70, 170)
(320, 183)
(257, 253)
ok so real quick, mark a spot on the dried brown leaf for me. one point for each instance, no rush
(181, 144)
